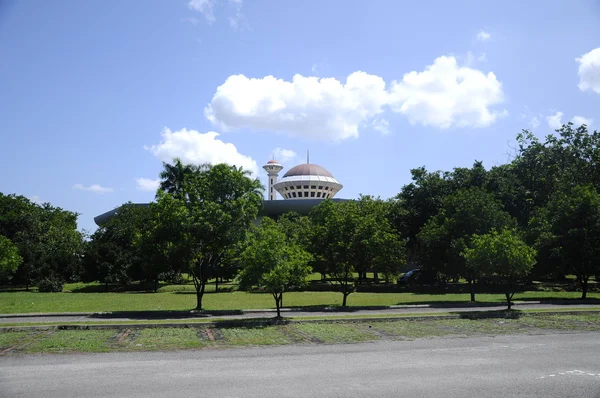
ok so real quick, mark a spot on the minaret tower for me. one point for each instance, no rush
(272, 168)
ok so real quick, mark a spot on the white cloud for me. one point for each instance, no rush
(323, 109)
(205, 7)
(555, 121)
(381, 125)
(197, 148)
(579, 120)
(147, 184)
(238, 20)
(93, 188)
(443, 95)
(483, 35)
(534, 122)
(589, 71)
(446, 94)
(284, 155)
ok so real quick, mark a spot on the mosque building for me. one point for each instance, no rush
(302, 187)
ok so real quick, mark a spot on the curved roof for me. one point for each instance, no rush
(307, 169)
(272, 161)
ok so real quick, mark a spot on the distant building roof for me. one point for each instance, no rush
(308, 169)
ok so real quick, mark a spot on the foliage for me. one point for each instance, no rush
(196, 226)
(46, 237)
(353, 236)
(274, 262)
(9, 258)
(503, 254)
(50, 285)
(572, 232)
(469, 211)
(111, 256)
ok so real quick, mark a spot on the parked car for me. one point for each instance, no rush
(409, 277)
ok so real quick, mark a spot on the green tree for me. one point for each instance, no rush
(46, 237)
(503, 254)
(574, 232)
(272, 261)
(469, 211)
(174, 177)
(9, 258)
(201, 225)
(353, 236)
(111, 256)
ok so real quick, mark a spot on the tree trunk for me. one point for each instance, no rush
(216, 285)
(584, 288)
(376, 277)
(323, 276)
(508, 300)
(472, 290)
(278, 304)
(200, 284)
(106, 286)
(155, 285)
(344, 299)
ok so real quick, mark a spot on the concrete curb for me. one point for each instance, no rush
(253, 322)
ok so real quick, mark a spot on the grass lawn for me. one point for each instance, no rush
(202, 337)
(32, 302)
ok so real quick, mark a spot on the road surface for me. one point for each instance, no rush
(549, 366)
(166, 315)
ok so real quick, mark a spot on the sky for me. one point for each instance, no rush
(95, 95)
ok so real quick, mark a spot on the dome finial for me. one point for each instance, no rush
(307, 157)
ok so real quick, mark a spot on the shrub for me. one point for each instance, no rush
(49, 285)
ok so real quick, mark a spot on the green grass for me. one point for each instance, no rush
(335, 332)
(151, 339)
(8, 340)
(267, 335)
(166, 339)
(72, 341)
(32, 302)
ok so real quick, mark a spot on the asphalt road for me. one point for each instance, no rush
(415, 309)
(549, 366)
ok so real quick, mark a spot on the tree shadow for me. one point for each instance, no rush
(164, 314)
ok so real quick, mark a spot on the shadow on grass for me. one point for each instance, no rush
(164, 314)
(503, 314)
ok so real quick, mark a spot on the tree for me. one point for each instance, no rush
(463, 214)
(111, 255)
(9, 258)
(503, 254)
(46, 237)
(270, 260)
(174, 177)
(198, 226)
(574, 232)
(354, 236)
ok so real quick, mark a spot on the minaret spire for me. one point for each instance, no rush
(307, 157)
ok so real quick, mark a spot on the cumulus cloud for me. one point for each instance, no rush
(205, 7)
(147, 184)
(589, 71)
(446, 95)
(579, 120)
(483, 36)
(555, 121)
(284, 155)
(197, 148)
(238, 20)
(36, 199)
(92, 188)
(323, 109)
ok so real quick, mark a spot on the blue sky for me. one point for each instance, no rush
(94, 95)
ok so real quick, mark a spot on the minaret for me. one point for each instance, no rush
(272, 168)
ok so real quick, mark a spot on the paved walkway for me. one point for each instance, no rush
(286, 312)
